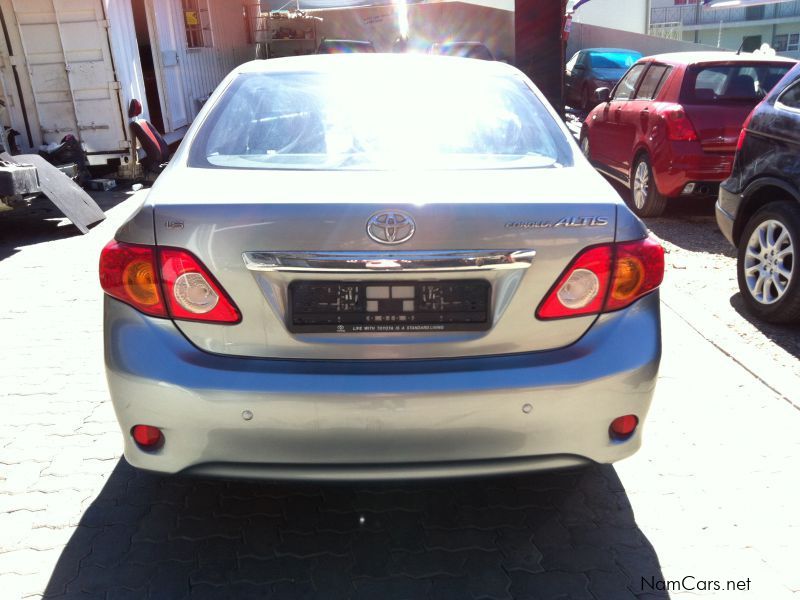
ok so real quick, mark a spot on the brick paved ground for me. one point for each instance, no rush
(712, 494)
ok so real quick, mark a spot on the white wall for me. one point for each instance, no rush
(590, 36)
(627, 15)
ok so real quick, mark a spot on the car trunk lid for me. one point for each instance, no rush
(511, 231)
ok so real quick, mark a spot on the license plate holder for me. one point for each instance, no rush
(389, 307)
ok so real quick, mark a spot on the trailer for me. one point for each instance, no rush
(73, 66)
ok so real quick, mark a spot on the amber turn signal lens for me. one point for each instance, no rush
(628, 278)
(139, 282)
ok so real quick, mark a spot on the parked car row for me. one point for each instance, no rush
(713, 125)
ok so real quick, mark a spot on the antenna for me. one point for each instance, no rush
(739, 51)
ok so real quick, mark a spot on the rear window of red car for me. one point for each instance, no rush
(734, 82)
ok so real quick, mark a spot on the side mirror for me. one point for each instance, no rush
(602, 95)
(579, 68)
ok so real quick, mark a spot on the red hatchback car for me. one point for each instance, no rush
(670, 126)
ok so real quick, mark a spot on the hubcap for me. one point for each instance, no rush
(769, 262)
(585, 147)
(641, 185)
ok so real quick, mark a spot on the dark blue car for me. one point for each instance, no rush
(593, 68)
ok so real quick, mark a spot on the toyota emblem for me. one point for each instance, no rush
(391, 227)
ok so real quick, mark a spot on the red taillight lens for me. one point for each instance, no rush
(128, 273)
(605, 278)
(181, 288)
(147, 436)
(577, 293)
(191, 292)
(623, 428)
(679, 127)
(745, 125)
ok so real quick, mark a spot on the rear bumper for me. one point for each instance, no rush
(681, 163)
(380, 419)
(726, 208)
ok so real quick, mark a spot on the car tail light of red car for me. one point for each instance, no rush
(604, 279)
(164, 282)
(679, 126)
(745, 125)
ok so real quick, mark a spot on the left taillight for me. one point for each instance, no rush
(605, 278)
(164, 282)
(128, 273)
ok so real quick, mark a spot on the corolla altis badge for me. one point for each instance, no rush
(391, 227)
(565, 222)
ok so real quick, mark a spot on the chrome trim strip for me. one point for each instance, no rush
(366, 262)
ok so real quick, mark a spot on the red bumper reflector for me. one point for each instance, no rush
(147, 436)
(623, 427)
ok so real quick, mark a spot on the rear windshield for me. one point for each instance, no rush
(613, 60)
(733, 83)
(385, 121)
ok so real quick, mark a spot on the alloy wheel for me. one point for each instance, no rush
(769, 261)
(641, 185)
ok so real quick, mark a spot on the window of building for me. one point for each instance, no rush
(786, 42)
(197, 21)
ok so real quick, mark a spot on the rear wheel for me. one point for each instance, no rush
(767, 270)
(646, 201)
(585, 146)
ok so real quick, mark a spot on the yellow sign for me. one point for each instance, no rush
(192, 17)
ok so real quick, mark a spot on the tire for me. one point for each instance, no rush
(645, 199)
(586, 100)
(767, 263)
(584, 144)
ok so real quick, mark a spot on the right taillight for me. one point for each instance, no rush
(679, 127)
(164, 282)
(605, 278)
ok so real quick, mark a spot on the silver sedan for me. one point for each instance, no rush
(380, 266)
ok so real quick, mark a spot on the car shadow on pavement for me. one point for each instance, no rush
(569, 534)
(785, 336)
(43, 222)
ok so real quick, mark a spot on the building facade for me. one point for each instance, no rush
(729, 27)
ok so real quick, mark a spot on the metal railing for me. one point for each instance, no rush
(690, 14)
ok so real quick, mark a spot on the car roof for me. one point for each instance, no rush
(691, 58)
(358, 63)
(599, 50)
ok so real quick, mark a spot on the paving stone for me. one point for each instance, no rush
(549, 586)
(313, 544)
(606, 585)
(579, 559)
(397, 588)
(272, 570)
(429, 563)
(461, 539)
